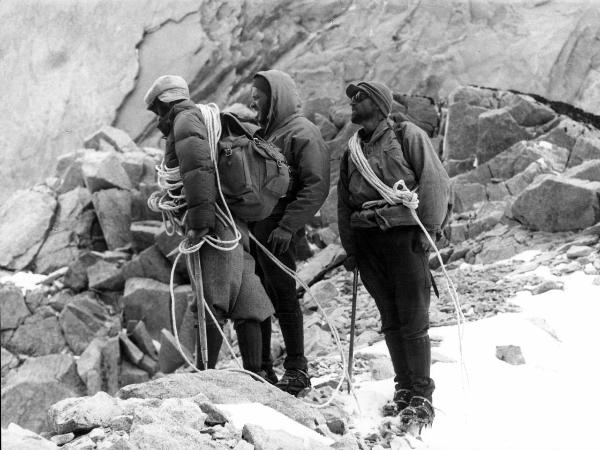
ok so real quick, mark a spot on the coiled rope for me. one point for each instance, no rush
(400, 194)
(170, 204)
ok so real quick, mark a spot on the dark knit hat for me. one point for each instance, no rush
(378, 92)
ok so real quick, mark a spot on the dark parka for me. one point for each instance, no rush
(304, 149)
(413, 160)
(187, 147)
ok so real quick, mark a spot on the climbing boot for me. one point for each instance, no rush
(418, 414)
(294, 381)
(398, 404)
(270, 375)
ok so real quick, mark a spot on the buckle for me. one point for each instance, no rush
(228, 151)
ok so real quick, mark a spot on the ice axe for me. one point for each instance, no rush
(352, 327)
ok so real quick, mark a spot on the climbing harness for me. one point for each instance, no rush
(170, 202)
(400, 194)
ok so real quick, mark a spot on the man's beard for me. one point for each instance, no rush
(357, 117)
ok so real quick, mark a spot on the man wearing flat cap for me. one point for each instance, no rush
(231, 288)
(383, 240)
(276, 100)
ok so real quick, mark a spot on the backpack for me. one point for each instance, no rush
(254, 174)
(399, 127)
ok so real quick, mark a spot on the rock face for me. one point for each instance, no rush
(21, 235)
(234, 40)
(559, 204)
(12, 307)
(113, 207)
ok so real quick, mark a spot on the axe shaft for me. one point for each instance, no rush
(352, 327)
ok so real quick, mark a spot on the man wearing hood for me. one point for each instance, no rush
(276, 100)
(385, 241)
(231, 288)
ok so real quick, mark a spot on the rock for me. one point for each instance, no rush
(224, 387)
(497, 131)
(118, 139)
(59, 300)
(83, 319)
(89, 366)
(523, 180)
(347, 442)
(589, 170)
(340, 115)
(13, 309)
(129, 349)
(462, 131)
(565, 134)
(526, 111)
(467, 196)
(121, 423)
(22, 232)
(319, 264)
(37, 336)
(150, 263)
(214, 415)
(142, 339)
(176, 423)
(97, 434)
(103, 170)
(131, 374)
(111, 358)
(510, 354)
(381, 369)
(9, 362)
(70, 230)
(149, 300)
(546, 286)
(263, 439)
(169, 356)
(496, 249)
(420, 110)
(113, 208)
(62, 439)
(325, 236)
(578, 251)
(328, 130)
(86, 413)
(16, 438)
(558, 204)
(455, 167)
(35, 299)
(325, 292)
(105, 276)
(34, 386)
(144, 233)
(138, 166)
(585, 148)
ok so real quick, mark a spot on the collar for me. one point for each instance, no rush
(166, 123)
(382, 127)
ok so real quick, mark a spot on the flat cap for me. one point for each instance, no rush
(167, 88)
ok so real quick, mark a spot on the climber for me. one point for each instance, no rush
(276, 100)
(231, 288)
(386, 244)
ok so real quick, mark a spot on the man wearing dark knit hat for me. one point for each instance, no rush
(276, 100)
(383, 240)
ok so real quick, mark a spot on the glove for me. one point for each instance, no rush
(424, 242)
(350, 263)
(195, 236)
(280, 240)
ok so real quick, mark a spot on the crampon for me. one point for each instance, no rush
(418, 415)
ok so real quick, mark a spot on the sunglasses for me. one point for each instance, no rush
(359, 97)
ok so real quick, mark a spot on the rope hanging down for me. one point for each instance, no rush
(400, 194)
(169, 203)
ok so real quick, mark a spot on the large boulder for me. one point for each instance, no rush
(556, 203)
(585, 148)
(589, 170)
(69, 231)
(461, 132)
(103, 170)
(12, 307)
(16, 438)
(225, 387)
(24, 221)
(139, 167)
(40, 334)
(150, 263)
(84, 319)
(37, 384)
(149, 300)
(118, 139)
(9, 362)
(526, 111)
(113, 208)
(497, 130)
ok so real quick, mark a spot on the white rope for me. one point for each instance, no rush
(400, 194)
